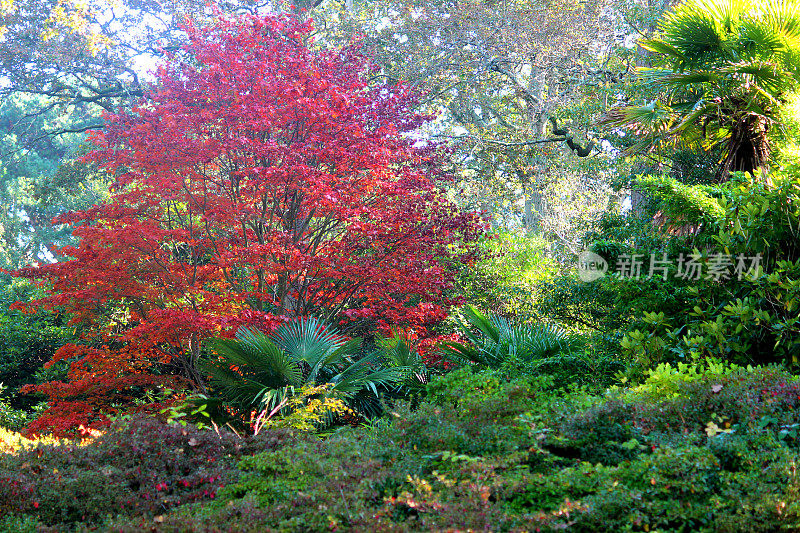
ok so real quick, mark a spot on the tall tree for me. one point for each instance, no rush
(258, 180)
(34, 186)
(91, 54)
(499, 71)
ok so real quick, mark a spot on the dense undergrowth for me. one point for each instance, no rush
(710, 448)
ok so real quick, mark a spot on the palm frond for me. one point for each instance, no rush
(699, 110)
(650, 119)
(678, 81)
(662, 47)
(768, 77)
(402, 353)
(483, 324)
(546, 340)
(520, 342)
(307, 339)
(247, 365)
(362, 374)
(697, 33)
(338, 356)
(265, 357)
(785, 15)
(759, 40)
(230, 384)
(259, 371)
(461, 353)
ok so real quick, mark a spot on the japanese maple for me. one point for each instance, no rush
(259, 180)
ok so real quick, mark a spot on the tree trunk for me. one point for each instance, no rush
(533, 208)
(748, 149)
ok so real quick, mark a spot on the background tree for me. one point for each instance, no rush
(91, 54)
(39, 181)
(495, 73)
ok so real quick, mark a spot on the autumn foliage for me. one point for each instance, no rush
(258, 181)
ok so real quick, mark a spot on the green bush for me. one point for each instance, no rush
(370, 479)
(494, 340)
(749, 319)
(12, 418)
(511, 455)
(19, 524)
(488, 451)
(27, 341)
(684, 488)
(690, 404)
(508, 277)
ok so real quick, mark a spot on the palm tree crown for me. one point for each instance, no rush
(729, 66)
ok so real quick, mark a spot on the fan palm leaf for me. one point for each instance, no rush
(401, 352)
(249, 365)
(307, 340)
(366, 373)
(500, 341)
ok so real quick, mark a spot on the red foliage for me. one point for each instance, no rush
(258, 181)
(100, 380)
(431, 353)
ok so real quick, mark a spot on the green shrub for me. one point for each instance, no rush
(740, 399)
(13, 418)
(536, 349)
(601, 434)
(471, 463)
(27, 341)
(19, 524)
(512, 454)
(368, 479)
(508, 278)
(494, 340)
(671, 489)
(748, 319)
(608, 306)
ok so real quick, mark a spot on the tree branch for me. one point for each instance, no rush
(502, 143)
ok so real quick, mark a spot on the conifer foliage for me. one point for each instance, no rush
(258, 181)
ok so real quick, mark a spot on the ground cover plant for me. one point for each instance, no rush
(709, 448)
(138, 466)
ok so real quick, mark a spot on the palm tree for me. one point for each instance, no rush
(493, 340)
(258, 372)
(729, 67)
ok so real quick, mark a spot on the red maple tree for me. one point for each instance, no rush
(259, 180)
